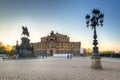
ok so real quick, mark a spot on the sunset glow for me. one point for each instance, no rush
(64, 16)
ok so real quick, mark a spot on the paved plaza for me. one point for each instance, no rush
(77, 68)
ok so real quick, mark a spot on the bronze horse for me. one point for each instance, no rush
(25, 31)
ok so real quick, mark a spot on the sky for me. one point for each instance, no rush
(63, 16)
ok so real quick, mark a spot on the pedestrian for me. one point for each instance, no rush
(68, 56)
(42, 56)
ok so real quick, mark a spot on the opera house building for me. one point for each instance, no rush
(56, 43)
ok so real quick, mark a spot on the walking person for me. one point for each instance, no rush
(70, 56)
(67, 56)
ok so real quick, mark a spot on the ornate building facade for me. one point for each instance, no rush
(56, 43)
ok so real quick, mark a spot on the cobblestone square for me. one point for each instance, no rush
(77, 68)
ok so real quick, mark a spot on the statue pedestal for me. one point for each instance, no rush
(25, 42)
(96, 62)
(25, 51)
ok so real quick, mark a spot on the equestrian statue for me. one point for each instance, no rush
(25, 31)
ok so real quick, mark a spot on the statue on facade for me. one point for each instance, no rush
(25, 31)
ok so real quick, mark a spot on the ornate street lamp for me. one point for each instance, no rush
(95, 20)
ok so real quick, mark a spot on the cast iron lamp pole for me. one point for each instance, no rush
(95, 20)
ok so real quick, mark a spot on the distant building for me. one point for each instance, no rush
(56, 44)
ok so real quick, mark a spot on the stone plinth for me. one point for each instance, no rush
(25, 50)
(96, 62)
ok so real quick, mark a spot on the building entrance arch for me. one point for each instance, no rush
(51, 52)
